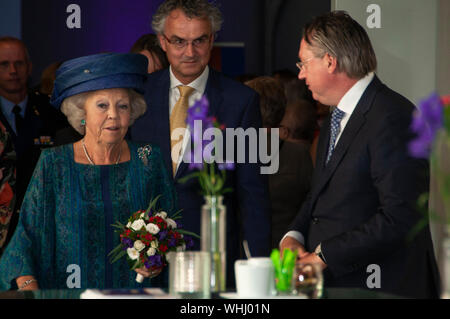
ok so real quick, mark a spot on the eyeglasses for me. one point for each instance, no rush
(301, 64)
(182, 43)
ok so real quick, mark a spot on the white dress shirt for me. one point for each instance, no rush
(347, 104)
(199, 84)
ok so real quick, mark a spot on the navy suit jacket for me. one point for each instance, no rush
(362, 204)
(248, 207)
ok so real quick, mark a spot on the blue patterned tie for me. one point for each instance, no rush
(336, 118)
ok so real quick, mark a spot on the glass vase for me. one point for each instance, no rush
(213, 239)
(446, 264)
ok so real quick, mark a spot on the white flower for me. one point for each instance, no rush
(137, 224)
(171, 223)
(151, 251)
(139, 245)
(154, 243)
(181, 248)
(162, 214)
(142, 215)
(152, 228)
(129, 225)
(132, 253)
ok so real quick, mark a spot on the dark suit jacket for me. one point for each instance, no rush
(41, 119)
(234, 105)
(289, 186)
(362, 205)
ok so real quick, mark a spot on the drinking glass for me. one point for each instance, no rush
(308, 280)
(190, 274)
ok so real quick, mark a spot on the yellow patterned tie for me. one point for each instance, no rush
(178, 120)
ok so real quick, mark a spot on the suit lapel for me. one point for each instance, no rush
(355, 123)
(213, 93)
(160, 117)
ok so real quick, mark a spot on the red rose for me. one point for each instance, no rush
(163, 248)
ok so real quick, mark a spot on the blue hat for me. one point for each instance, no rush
(99, 72)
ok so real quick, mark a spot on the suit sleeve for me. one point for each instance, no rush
(302, 219)
(399, 180)
(253, 191)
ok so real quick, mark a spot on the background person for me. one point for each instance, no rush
(28, 118)
(148, 45)
(289, 186)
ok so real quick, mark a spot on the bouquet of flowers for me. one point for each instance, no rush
(148, 236)
(431, 125)
(211, 180)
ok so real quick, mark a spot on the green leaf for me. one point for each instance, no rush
(226, 190)
(219, 184)
(176, 214)
(116, 249)
(118, 256)
(188, 177)
(152, 204)
(118, 226)
(136, 265)
(185, 232)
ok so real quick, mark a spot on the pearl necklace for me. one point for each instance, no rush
(89, 158)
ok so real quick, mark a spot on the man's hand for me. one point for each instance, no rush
(294, 245)
(312, 258)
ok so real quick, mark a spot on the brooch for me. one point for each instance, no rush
(143, 153)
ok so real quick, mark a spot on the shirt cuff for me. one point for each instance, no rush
(296, 235)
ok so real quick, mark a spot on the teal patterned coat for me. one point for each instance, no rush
(66, 219)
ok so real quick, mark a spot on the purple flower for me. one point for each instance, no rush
(226, 166)
(155, 261)
(425, 124)
(198, 111)
(162, 235)
(172, 242)
(189, 242)
(179, 225)
(127, 242)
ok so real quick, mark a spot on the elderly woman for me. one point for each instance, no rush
(78, 190)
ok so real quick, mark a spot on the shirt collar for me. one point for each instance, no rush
(7, 105)
(350, 99)
(199, 84)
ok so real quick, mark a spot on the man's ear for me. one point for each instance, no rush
(162, 42)
(331, 63)
(284, 132)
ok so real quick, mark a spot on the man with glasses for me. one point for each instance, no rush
(362, 206)
(186, 30)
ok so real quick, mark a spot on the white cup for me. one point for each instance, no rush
(255, 277)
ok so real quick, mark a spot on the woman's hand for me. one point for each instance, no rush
(27, 283)
(149, 273)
